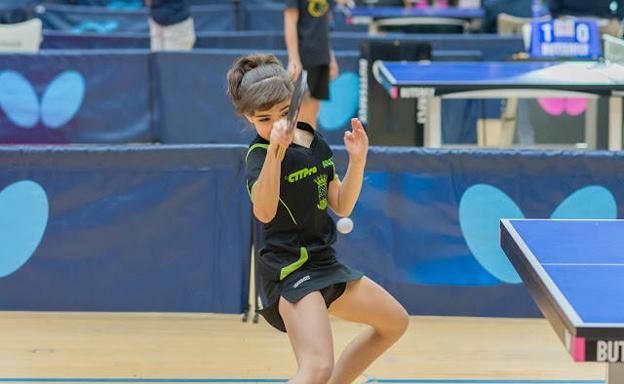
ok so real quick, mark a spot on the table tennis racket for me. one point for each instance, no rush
(293, 109)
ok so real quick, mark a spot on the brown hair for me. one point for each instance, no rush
(257, 82)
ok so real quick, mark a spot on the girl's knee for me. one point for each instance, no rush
(402, 320)
(317, 372)
(395, 324)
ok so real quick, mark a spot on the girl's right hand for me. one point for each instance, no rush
(279, 136)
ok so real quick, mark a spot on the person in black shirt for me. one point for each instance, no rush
(604, 9)
(492, 8)
(306, 32)
(610, 12)
(303, 280)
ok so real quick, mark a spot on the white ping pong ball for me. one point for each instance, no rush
(344, 225)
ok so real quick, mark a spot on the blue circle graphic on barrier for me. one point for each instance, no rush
(18, 99)
(343, 102)
(62, 99)
(23, 219)
(591, 202)
(482, 206)
(480, 210)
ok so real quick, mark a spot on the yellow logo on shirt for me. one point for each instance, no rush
(301, 174)
(318, 8)
(321, 183)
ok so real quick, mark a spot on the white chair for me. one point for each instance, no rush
(512, 25)
(22, 37)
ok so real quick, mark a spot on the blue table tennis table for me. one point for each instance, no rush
(375, 17)
(432, 81)
(574, 270)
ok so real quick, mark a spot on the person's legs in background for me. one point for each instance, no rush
(156, 36)
(181, 36)
(176, 37)
(318, 89)
(309, 110)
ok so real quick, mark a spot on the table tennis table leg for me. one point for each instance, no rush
(615, 123)
(615, 373)
(591, 124)
(433, 126)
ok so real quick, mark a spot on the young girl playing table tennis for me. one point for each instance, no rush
(301, 277)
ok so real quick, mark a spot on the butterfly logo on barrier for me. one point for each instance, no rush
(121, 4)
(557, 106)
(60, 102)
(482, 206)
(23, 218)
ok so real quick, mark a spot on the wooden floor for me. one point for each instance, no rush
(186, 346)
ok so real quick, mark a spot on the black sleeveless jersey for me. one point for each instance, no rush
(302, 231)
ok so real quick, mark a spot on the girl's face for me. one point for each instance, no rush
(264, 120)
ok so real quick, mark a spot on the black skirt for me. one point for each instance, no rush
(330, 280)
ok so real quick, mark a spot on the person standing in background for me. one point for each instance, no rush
(609, 12)
(306, 30)
(492, 8)
(171, 25)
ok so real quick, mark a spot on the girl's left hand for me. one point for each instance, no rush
(356, 141)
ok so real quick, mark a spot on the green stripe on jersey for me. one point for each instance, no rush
(287, 270)
(265, 146)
